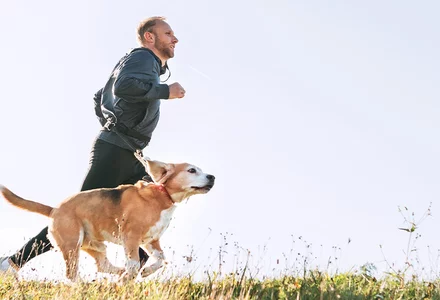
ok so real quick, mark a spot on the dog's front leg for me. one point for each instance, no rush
(132, 263)
(155, 251)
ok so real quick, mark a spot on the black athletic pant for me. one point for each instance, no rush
(109, 167)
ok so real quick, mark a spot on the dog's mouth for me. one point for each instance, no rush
(207, 187)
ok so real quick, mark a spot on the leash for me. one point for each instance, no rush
(110, 126)
(139, 155)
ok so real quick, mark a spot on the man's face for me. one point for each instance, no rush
(164, 40)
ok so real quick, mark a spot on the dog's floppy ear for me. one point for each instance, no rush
(159, 171)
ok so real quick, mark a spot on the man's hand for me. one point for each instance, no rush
(176, 91)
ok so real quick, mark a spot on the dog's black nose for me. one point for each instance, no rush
(210, 177)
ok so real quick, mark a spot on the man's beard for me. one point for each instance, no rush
(164, 49)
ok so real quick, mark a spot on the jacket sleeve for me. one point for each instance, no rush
(138, 79)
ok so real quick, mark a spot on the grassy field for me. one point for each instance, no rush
(301, 280)
(315, 285)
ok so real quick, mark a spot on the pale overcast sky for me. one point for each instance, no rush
(317, 118)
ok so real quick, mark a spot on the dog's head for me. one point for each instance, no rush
(180, 180)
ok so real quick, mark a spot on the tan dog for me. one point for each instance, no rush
(130, 215)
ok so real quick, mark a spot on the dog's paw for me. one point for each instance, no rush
(126, 277)
(147, 271)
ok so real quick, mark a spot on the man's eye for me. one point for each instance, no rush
(192, 170)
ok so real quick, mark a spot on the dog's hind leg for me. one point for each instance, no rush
(71, 257)
(102, 262)
(68, 235)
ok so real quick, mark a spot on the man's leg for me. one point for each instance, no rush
(35, 246)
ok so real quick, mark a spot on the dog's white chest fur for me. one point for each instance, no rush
(159, 228)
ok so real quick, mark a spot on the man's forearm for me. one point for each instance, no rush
(135, 90)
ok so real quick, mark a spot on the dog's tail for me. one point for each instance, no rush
(25, 204)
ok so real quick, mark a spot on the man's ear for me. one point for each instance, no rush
(159, 171)
(149, 37)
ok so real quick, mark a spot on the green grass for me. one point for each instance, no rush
(315, 285)
(301, 281)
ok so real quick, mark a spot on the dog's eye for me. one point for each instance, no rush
(192, 170)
